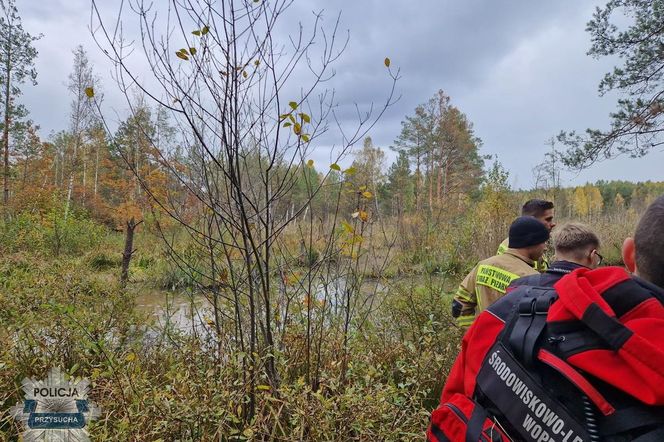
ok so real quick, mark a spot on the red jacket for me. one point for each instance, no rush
(626, 314)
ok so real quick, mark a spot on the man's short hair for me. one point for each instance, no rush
(649, 242)
(575, 239)
(536, 207)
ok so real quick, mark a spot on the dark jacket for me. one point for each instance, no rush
(556, 270)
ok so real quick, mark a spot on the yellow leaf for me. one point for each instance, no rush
(244, 74)
(287, 124)
(387, 62)
(263, 387)
(196, 32)
(310, 163)
(347, 227)
(205, 30)
(305, 138)
(248, 432)
(293, 105)
(306, 118)
(297, 128)
(335, 166)
(90, 92)
(182, 55)
(366, 194)
(257, 62)
(184, 51)
(350, 171)
(364, 216)
(192, 51)
(130, 357)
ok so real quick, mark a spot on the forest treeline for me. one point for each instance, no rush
(439, 163)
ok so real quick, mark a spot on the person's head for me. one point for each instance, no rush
(529, 236)
(576, 242)
(540, 209)
(644, 254)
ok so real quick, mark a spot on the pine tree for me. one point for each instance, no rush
(637, 126)
(17, 55)
(399, 187)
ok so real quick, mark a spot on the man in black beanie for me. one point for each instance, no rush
(489, 279)
(543, 211)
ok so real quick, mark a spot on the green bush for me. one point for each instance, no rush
(50, 233)
(103, 260)
(155, 384)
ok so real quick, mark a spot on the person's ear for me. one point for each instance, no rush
(629, 254)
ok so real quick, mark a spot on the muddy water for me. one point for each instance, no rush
(189, 314)
(173, 309)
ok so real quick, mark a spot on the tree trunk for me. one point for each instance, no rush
(128, 250)
(439, 180)
(70, 187)
(417, 181)
(5, 137)
(85, 174)
(430, 179)
(96, 169)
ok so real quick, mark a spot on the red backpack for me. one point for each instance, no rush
(583, 361)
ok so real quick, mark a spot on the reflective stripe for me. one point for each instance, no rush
(501, 248)
(465, 321)
(543, 266)
(463, 295)
(494, 277)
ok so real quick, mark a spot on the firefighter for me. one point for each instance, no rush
(543, 211)
(489, 279)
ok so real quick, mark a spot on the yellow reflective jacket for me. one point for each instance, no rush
(541, 266)
(488, 281)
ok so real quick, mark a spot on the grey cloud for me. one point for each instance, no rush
(517, 68)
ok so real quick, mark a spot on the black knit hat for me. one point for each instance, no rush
(527, 231)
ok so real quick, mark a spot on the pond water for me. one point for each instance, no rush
(189, 314)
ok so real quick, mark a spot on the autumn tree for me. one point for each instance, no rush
(595, 200)
(580, 202)
(27, 147)
(369, 164)
(245, 124)
(619, 202)
(633, 31)
(17, 56)
(82, 84)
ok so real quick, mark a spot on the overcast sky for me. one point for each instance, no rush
(517, 69)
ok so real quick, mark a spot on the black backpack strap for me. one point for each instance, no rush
(656, 435)
(630, 418)
(530, 322)
(476, 424)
